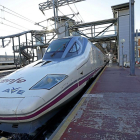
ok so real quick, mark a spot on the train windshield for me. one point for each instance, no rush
(58, 45)
(56, 48)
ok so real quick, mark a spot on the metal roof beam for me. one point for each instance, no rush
(30, 31)
(103, 38)
(104, 30)
(120, 6)
(49, 4)
(16, 35)
(101, 22)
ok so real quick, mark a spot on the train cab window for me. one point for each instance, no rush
(56, 48)
(74, 50)
(78, 47)
(58, 45)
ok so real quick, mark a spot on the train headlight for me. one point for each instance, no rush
(49, 81)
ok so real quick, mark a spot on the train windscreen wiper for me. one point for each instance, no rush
(64, 46)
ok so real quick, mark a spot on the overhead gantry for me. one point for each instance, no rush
(109, 31)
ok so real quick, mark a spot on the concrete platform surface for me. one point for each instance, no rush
(110, 110)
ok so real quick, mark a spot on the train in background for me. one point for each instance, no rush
(31, 95)
(6, 60)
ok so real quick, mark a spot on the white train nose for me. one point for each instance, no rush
(8, 106)
(28, 107)
(11, 109)
(14, 111)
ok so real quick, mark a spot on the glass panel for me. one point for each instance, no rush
(78, 47)
(49, 81)
(73, 49)
(58, 45)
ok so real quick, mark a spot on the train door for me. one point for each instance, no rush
(95, 60)
(75, 50)
(82, 75)
(85, 68)
(94, 57)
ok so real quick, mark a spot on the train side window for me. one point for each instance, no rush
(73, 49)
(78, 47)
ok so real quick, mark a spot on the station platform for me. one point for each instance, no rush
(110, 109)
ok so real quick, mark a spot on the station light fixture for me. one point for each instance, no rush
(122, 41)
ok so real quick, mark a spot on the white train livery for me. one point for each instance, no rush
(32, 95)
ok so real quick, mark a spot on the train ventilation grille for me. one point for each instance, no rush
(46, 63)
(39, 63)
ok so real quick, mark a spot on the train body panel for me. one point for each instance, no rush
(32, 94)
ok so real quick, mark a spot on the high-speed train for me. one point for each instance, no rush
(33, 94)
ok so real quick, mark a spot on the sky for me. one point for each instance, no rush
(90, 10)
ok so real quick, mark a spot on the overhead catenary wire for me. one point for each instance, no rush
(66, 15)
(20, 16)
(14, 23)
(73, 12)
(79, 12)
(2, 13)
(77, 16)
(17, 16)
(57, 21)
(11, 26)
(7, 10)
(61, 13)
(48, 21)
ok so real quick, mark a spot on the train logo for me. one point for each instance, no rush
(13, 90)
(10, 81)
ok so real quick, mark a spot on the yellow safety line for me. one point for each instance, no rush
(65, 125)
